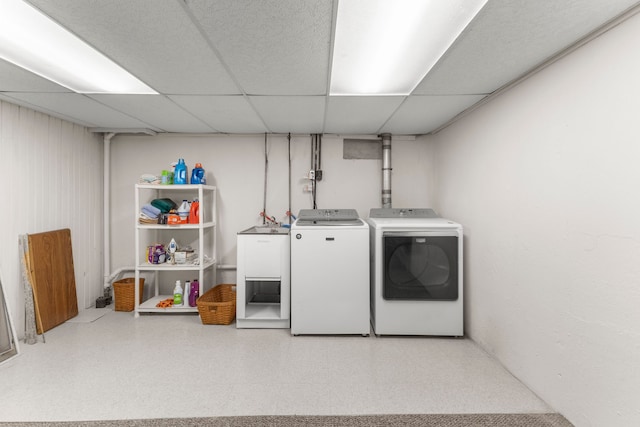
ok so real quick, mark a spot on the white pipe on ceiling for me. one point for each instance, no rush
(108, 134)
(106, 194)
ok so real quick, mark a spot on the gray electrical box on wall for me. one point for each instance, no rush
(362, 149)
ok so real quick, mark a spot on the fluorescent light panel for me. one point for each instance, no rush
(33, 41)
(386, 47)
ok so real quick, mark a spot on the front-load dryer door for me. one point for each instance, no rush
(420, 267)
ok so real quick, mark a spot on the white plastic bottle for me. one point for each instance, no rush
(183, 211)
(177, 294)
(173, 247)
(185, 297)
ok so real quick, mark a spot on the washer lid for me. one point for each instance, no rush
(402, 213)
(328, 217)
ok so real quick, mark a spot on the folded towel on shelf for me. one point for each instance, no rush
(143, 219)
(165, 205)
(148, 178)
(150, 211)
(149, 214)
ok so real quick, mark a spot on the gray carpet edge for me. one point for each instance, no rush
(423, 420)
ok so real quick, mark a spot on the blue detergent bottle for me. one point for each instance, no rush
(180, 176)
(197, 175)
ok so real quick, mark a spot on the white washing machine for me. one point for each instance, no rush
(329, 273)
(416, 273)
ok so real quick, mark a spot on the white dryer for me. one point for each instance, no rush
(329, 273)
(416, 273)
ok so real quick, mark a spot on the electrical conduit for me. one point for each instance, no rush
(386, 170)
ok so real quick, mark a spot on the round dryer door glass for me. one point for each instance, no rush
(421, 268)
(426, 263)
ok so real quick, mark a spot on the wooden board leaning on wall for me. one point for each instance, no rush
(53, 278)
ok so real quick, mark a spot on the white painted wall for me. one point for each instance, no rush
(545, 179)
(52, 173)
(235, 164)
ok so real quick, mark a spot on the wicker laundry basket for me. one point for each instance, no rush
(124, 293)
(217, 306)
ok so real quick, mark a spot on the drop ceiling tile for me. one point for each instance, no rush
(281, 48)
(510, 37)
(4, 96)
(16, 79)
(78, 109)
(273, 47)
(227, 114)
(157, 110)
(359, 114)
(154, 40)
(423, 114)
(295, 114)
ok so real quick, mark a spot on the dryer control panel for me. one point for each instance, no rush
(328, 214)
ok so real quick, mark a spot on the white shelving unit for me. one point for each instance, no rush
(201, 237)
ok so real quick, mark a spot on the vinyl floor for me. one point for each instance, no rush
(114, 366)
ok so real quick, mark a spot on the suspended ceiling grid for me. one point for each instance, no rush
(247, 66)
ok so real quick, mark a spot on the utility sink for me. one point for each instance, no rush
(265, 229)
(263, 285)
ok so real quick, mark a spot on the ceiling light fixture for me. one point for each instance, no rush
(386, 47)
(31, 40)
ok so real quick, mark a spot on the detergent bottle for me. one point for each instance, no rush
(198, 175)
(194, 293)
(177, 294)
(180, 176)
(194, 212)
(183, 212)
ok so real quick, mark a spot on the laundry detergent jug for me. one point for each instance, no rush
(198, 175)
(194, 212)
(183, 212)
(180, 176)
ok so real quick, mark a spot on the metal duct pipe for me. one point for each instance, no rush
(386, 170)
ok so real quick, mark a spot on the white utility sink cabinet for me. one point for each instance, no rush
(263, 283)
